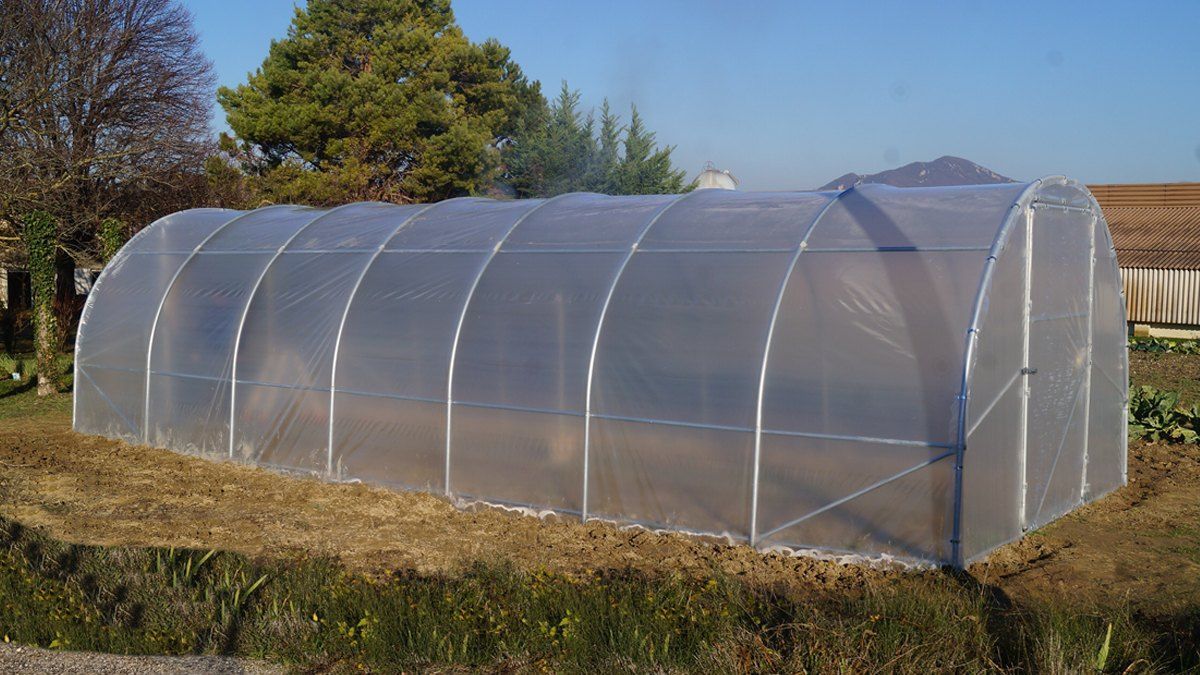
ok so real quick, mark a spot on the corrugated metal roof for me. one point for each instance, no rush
(1154, 225)
(1156, 237)
(1147, 194)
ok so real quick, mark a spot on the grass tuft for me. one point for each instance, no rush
(314, 614)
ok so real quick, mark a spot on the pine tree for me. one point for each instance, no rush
(603, 178)
(377, 99)
(566, 153)
(556, 157)
(646, 169)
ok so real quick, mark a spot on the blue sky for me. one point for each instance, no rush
(789, 95)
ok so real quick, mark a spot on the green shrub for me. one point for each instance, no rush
(1157, 415)
(40, 236)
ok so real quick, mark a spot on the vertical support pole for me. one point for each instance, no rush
(1112, 257)
(1026, 312)
(1087, 374)
(462, 317)
(591, 368)
(762, 374)
(972, 340)
(960, 444)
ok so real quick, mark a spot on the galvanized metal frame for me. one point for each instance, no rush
(766, 355)
(1055, 317)
(891, 249)
(1114, 264)
(1025, 206)
(1084, 387)
(237, 341)
(876, 440)
(648, 251)
(1123, 389)
(462, 317)
(1026, 367)
(591, 367)
(163, 300)
(858, 493)
(630, 418)
(972, 340)
(121, 369)
(987, 410)
(1087, 395)
(80, 372)
(337, 341)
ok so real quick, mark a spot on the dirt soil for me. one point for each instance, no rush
(88, 489)
(1174, 372)
(1140, 545)
(20, 659)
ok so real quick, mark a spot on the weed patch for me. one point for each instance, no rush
(313, 613)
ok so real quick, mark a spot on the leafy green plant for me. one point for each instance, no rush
(1163, 346)
(40, 236)
(1157, 415)
(9, 364)
(112, 235)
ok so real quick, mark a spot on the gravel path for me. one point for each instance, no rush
(18, 659)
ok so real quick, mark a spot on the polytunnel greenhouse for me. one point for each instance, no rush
(922, 373)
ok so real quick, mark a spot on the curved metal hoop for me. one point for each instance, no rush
(237, 341)
(463, 316)
(87, 304)
(163, 300)
(337, 342)
(587, 414)
(762, 374)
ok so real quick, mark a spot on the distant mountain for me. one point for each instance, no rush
(945, 170)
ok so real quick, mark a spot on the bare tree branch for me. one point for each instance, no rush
(104, 110)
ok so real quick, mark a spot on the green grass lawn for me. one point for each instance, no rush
(17, 397)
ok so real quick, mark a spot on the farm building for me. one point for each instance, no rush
(16, 292)
(922, 373)
(1156, 229)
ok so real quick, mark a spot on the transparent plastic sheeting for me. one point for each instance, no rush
(923, 373)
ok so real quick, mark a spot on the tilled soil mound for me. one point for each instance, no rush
(93, 490)
(1140, 545)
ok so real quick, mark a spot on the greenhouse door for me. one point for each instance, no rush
(1059, 351)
